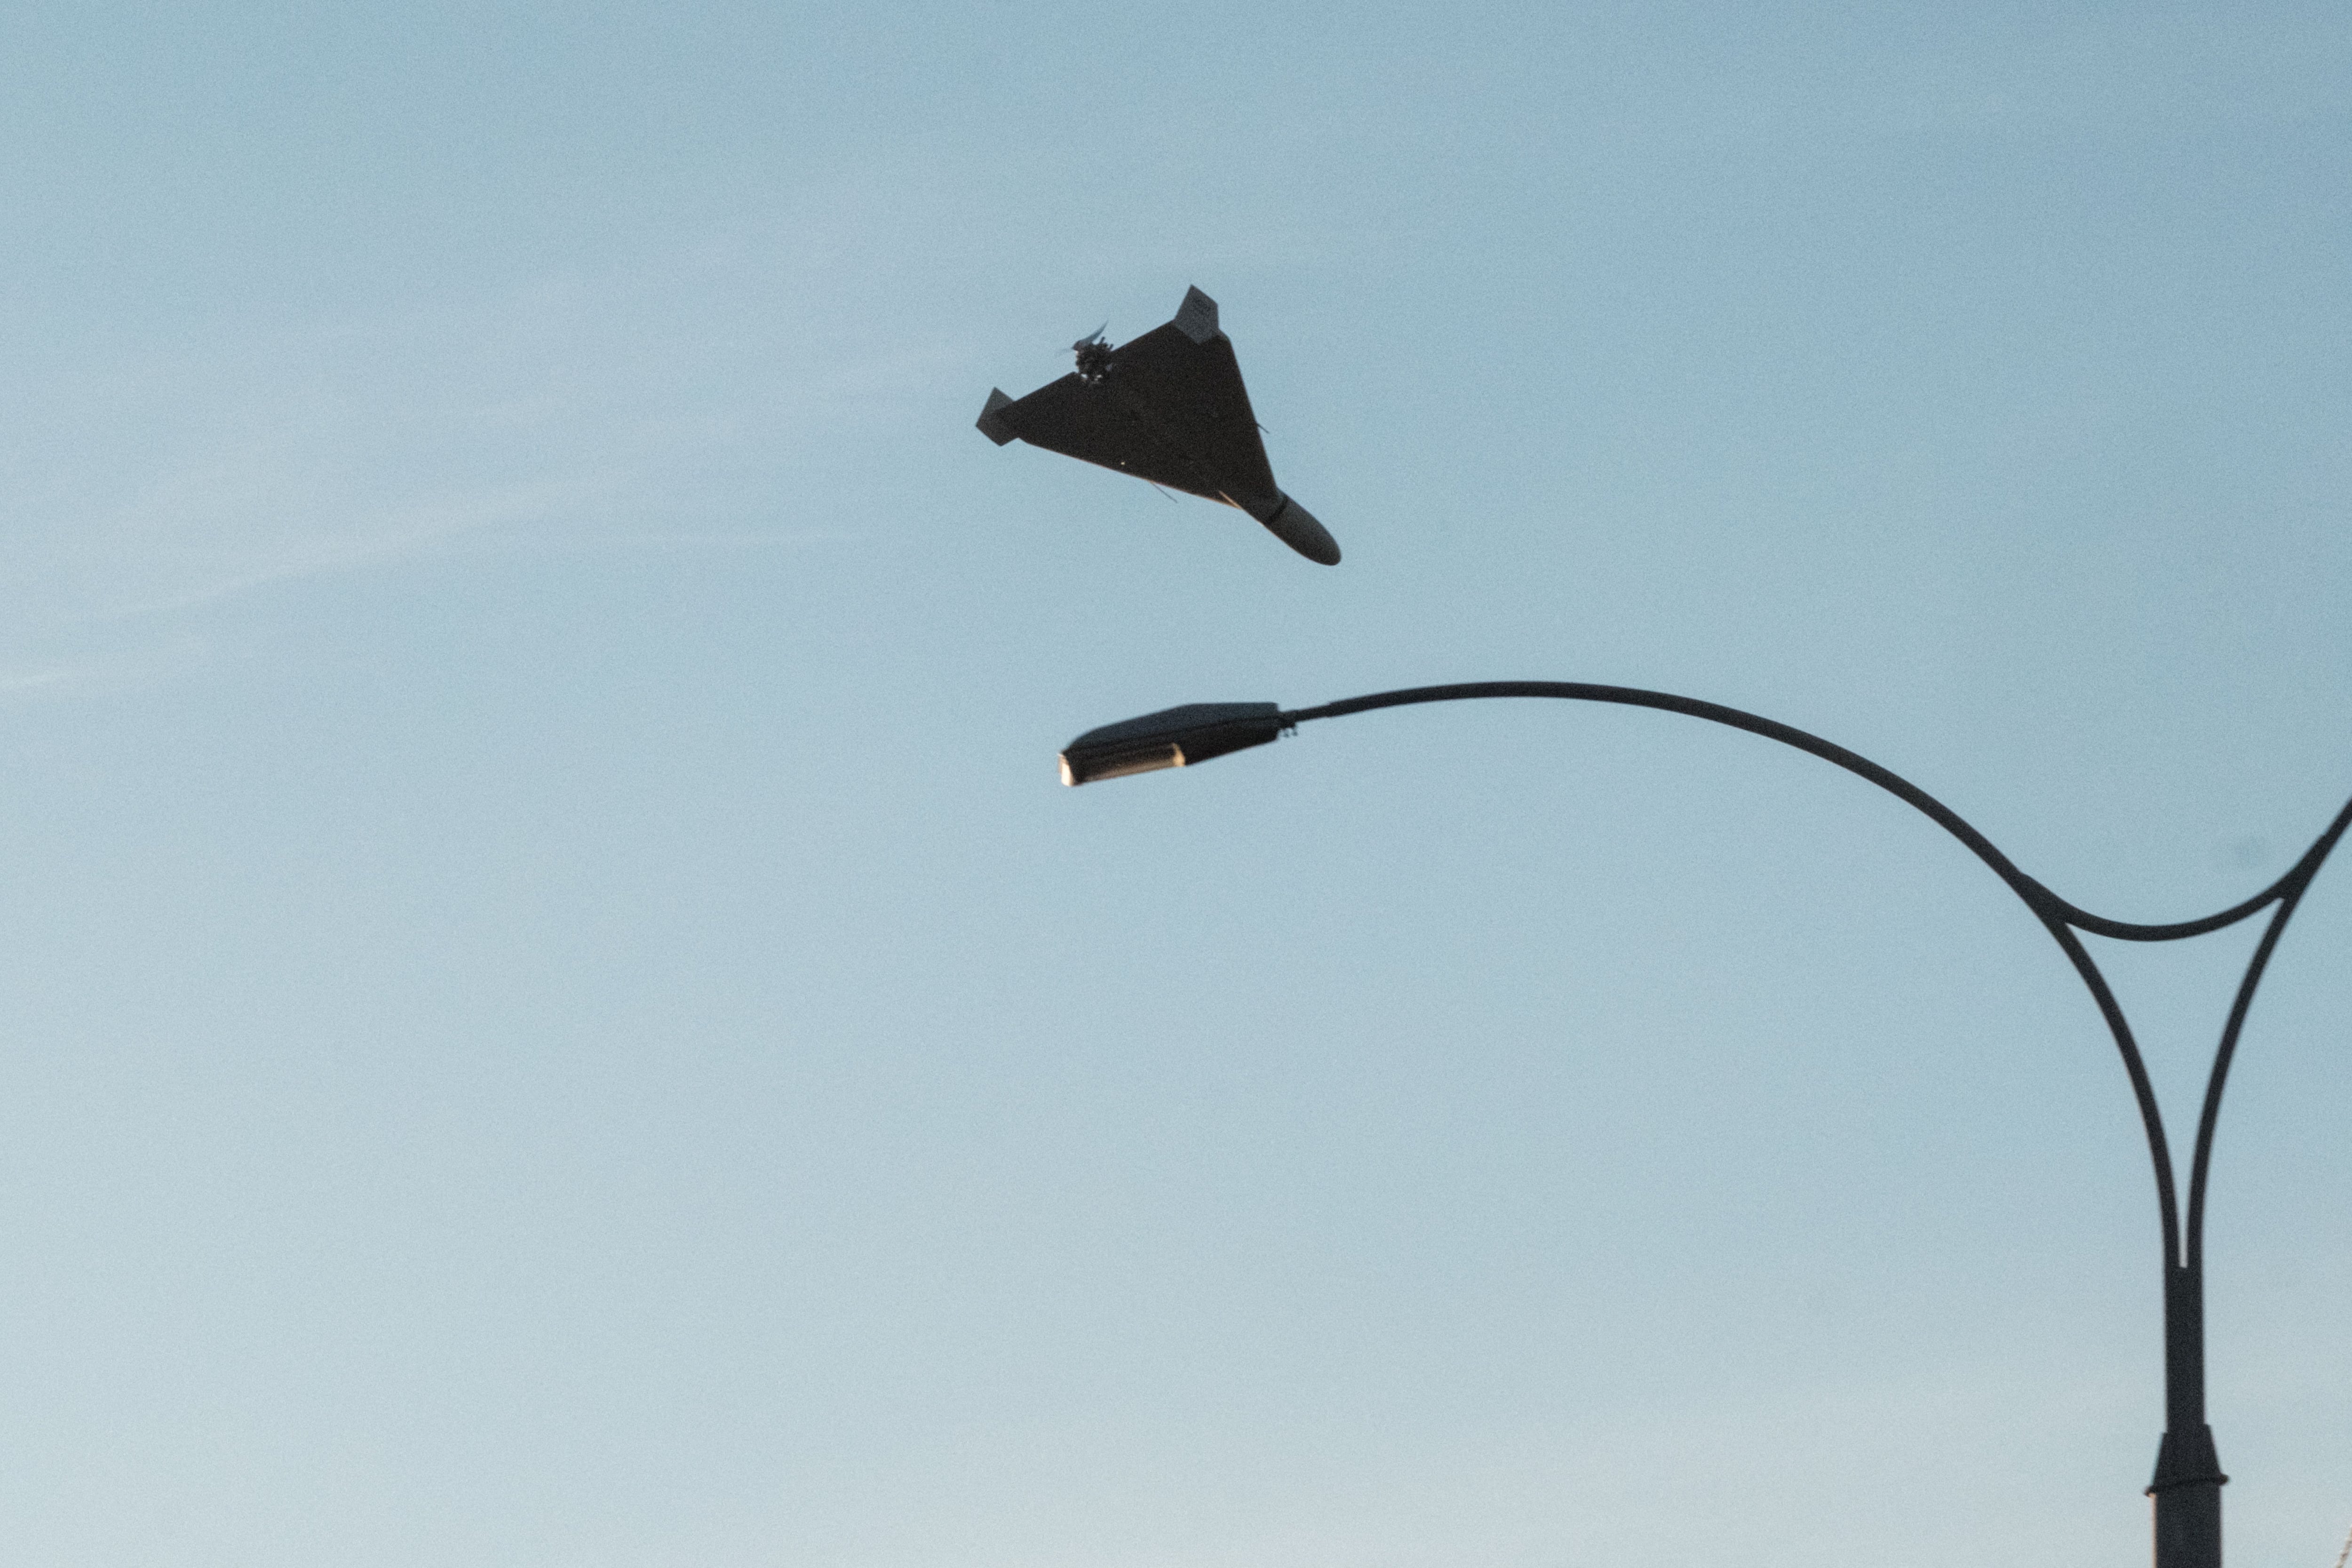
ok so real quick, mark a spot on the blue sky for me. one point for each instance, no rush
(558, 1014)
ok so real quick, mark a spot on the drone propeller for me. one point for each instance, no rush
(1094, 337)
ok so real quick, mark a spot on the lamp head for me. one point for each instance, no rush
(1171, 738)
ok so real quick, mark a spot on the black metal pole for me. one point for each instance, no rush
(2187, 1488)
(2188, 1479)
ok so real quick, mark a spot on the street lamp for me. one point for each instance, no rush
(2188, 1480)
(1171, 738)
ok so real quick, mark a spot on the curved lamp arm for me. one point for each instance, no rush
(1196, 733)
(2042, 901)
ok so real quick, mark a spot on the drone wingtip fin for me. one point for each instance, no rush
(992, 424)
(1196, 318)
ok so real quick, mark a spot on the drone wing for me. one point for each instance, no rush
(1096, 426)
(1193, 391)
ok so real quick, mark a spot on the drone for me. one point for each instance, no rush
(1169, 408)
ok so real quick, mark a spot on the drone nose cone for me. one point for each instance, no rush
(1295, 526)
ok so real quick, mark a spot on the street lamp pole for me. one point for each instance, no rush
(2187, 1488)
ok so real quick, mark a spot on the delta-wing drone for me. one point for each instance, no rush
(1169, 407)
